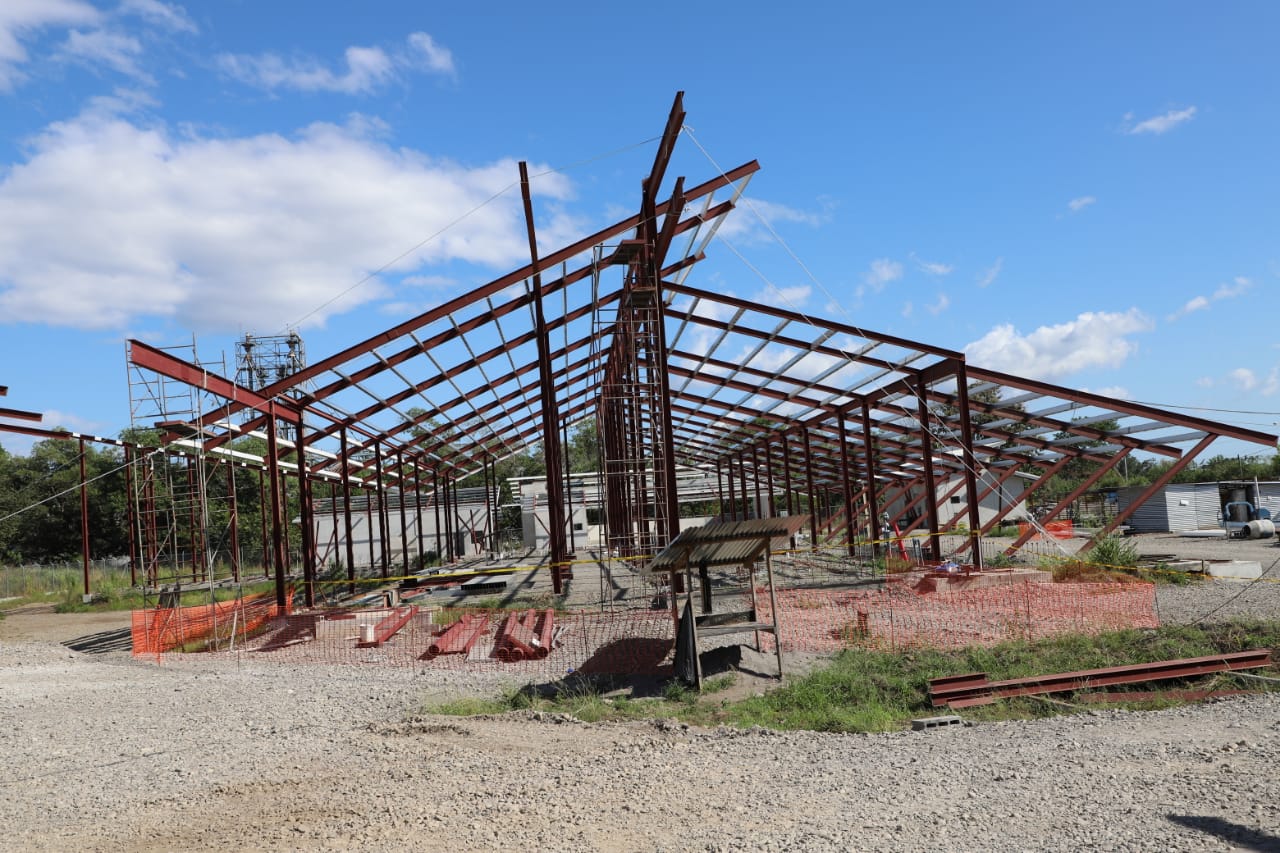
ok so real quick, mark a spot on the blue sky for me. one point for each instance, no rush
(1086, 195)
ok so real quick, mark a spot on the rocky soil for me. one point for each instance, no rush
(101, 752)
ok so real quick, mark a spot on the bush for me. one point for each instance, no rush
(1113, 552)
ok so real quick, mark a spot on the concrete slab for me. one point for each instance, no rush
(1239, 570)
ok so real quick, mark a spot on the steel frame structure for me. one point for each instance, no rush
(824, 417)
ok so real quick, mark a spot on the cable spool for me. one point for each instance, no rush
(1261, 529)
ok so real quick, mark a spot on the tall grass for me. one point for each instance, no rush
(867, 691)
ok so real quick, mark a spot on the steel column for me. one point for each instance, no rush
(234, 508)
(306, 515)
(850, 537)
(808, 470)
(930, 483)
(84, 518)
(970, 464)
(872, 466)
(277, 513)
(346, 514)
(551, 437)
(404, 515)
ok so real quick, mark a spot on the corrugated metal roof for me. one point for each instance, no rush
(724, 543)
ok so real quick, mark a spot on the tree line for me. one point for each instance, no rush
(40, 519)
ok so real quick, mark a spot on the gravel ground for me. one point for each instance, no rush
(101, 752)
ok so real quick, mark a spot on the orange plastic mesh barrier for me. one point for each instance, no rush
(641, 641)
(1063, 529)
(167, 628)
(898, 617)
(623, 641)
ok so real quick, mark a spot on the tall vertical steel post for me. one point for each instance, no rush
(306, 514)
(346, 511)
(277, 512)
(872, 466)
(808, 471)
(850, 537)
(84, 518)
(546, 393)
(970, 464)
(930, 483)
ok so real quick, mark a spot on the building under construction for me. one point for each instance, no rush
(863, 433)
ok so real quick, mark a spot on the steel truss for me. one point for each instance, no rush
(790, 413)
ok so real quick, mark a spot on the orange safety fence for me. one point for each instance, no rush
(898, 617)
(552, 644)
(164, 629)
(1063, 529)
(636, 641)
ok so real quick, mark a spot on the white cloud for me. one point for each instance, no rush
(1204, 382)
(1245, 378)
(793, 298)
(753, 219)
(908, 309)
(21, 19)
(109, 220)
(1093, 339)
(1115, 392)
(1079, 204)
(435, 57)
(1237, 287)
(103, 47)
(367, 68)
(439, 282)
(941, 305)
(882, 272)
(54, 419)
(160, 14)
(932, 267)
(991, 273)
(1162, 123)
(1198, 303)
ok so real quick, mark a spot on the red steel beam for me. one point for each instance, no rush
(966, 690)
(1125, 407)
(18, 414)
(493, 287)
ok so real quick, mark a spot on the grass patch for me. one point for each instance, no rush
(863, 690)
(122, 597)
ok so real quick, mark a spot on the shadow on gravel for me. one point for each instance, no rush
(115, 640)
(1242, 836)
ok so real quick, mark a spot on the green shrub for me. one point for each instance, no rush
(1113, 552)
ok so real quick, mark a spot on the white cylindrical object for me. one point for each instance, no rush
(1261, 529)
(366, 633)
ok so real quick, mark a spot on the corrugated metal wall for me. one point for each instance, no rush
(1151, 517)
(1178, 508)
(1189, 506)
(1208, 506)
(1270, 498)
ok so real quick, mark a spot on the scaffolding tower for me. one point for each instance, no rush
(183, 502)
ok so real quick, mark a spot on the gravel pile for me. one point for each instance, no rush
(105, 753)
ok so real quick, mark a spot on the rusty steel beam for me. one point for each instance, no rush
(19, 415)
(1135, 409)
(962, 691)
(1077, 492)
(492, 288)
(1161, 481)
(550, 428)
(797, 317)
